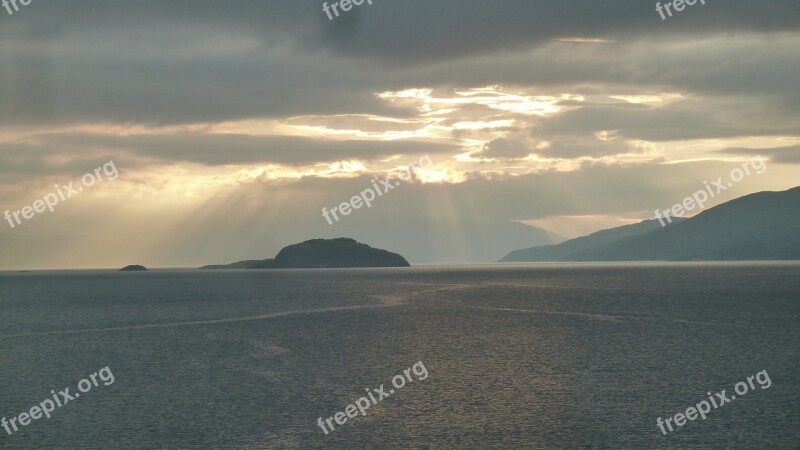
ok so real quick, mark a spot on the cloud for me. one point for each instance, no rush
(60, 153)
(782, 155)
(698, 118)
(187, 61)
(503, 148)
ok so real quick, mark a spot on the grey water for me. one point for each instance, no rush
(518, 356)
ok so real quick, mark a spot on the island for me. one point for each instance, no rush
(133, 268)
(323, 253)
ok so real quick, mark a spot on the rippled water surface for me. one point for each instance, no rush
(562, 356)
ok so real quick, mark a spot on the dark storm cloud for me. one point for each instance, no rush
(414, 30)
(148, 89)
(193, 61)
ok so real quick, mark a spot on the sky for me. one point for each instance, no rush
(226, 127)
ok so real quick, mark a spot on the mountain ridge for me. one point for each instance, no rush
(758, 226)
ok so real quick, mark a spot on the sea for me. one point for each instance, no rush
(519, 356)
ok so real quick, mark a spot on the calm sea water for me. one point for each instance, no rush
(560, 356)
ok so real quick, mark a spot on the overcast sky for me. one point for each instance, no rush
(233, 123)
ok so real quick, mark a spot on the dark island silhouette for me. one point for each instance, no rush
(133, 268)
(322, 253)
(760, 226)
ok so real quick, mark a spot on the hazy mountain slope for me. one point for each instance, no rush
(760, 226)
(562, 252)
(480, 240)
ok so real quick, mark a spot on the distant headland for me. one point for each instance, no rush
(133, 268)
(756, 227)
(322, 253)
